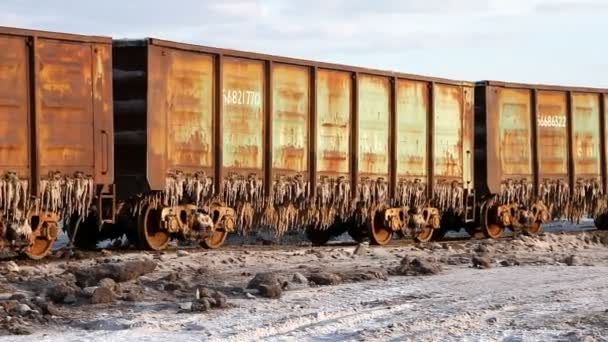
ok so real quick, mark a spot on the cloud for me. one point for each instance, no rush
(552, 41)
(572, 6)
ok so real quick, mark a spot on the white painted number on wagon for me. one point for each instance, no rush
(551, 121)
(241, 97)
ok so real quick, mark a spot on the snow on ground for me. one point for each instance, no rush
(542, 299)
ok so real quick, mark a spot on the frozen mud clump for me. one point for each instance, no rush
(205, 299)
(482, 261)
(324, 278)
(119, 272)
(415, 267)
(358, 276)
(102, 295)
(60, 292)
(268, 284)
(572, 260)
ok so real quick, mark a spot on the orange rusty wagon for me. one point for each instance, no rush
(266, 141)
(56, 140)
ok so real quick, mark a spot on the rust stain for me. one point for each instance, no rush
(291, 98)
(411, 140)
(373, 124)
(243, 118)
(552, 133)
(333, 121)
(13, 106)
(65, 107)
(448, 131)
(189, 91)
(514, 132)
(586, 134)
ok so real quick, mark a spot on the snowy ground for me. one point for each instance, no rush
(541, 299)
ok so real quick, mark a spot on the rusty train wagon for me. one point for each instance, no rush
(56, 151)
(210, 141)
(541, 154)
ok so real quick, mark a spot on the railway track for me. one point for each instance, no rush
(63, 254)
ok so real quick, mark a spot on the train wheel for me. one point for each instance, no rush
(535, 228)
(318, 237)
(490, 229)
(380, 233)
(150, 234)
(493, 231)
(425, 235)
(220, 233)
(43, 238)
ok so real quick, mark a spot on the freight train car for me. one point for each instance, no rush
(210, 141)
(56, 136)
(541, 154)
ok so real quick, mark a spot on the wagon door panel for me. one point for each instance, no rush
(447, 135)
(14, 107)
(412, 131)
(242, 115)
(64, 112)
(373, 125)
(514, 133)
(334, 97)
(586, 134)
(586, 154)
(290, 116)
(189, 101)
(552, 133)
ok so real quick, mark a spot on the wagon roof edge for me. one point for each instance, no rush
(289, 60)
(548, 87)
(23, 32)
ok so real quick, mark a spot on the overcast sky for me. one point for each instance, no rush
(537, 41)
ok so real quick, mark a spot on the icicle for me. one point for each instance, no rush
(411, 194)
(448, 196)
(516, 192)
(555, 194)
(586, 199)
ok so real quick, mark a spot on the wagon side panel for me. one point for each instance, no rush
(373, 126)
(515, 133)
(447, 132)
(412, 130)
(64, 110)
(587, 186)
(189, 92)
(290, 117)
(333, 123)
(14, 107)
(586, 134)
(156, 121)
